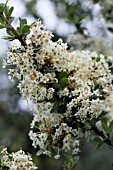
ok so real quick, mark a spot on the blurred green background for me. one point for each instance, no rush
(83, 25)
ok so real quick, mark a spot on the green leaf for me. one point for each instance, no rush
(106, 57)
(98, 86)
(22, 22)
(40, 152)
(1, 7)
(9, 32)
(55, 106)
(10, 38)
(37, 48)
(70, 162)
(98, 145)
(25, 29)
(49, 69)
(111, 138)
(2, 26)
(98, 59)
(63, 81)
(62, 75)
(6, 10)
(11, 20)
(26, 33)
(97, 139)
(2, 20)
(56, 86)
(87, 125)
(111, 126)
(10, 11)
(101, 116)
(1, 147)
(32, 23)
(19, 29)
(104, 126)
(104, 120)
(18, 51)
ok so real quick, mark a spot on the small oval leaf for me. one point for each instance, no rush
(25, 28)
(63, 81)
(97, 139)
(40, 152)
(62, 75)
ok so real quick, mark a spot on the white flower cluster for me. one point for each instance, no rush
(51, 131)
(67, 88)
(91, 83)
(17, 160)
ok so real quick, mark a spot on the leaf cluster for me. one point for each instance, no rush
(70, 162)
(62, 82)
(6, 20)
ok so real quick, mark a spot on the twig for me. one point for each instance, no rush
(15, 32)
(101, 133)
(17, 35)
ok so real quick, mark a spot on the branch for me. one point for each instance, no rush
(15, 32)
(101, 133)
(17, 35)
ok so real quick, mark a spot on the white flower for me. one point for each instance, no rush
(17, 160)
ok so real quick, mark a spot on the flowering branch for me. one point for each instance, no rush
(15, 32)
(68, 89)
(6, 22)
